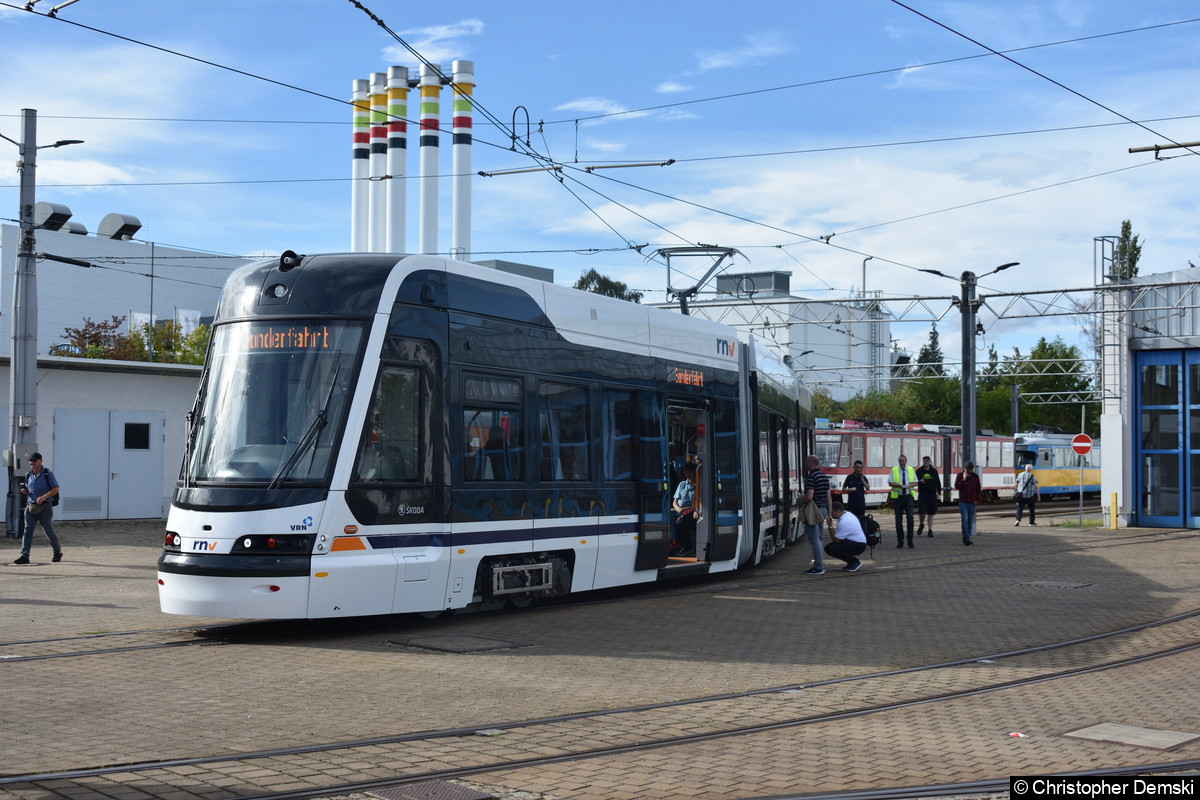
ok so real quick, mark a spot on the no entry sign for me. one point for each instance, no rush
(1082, 444)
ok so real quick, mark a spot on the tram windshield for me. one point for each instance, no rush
(271, 407)
(829, 448)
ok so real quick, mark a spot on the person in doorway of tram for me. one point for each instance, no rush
(816, 491)
(969, 490)
(684, 504)
(39, 490)
(848, 538)
(1028, 494)
(929, 485)
(854, 491)
(903, 481)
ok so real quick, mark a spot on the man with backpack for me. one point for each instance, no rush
(1028, 494)
(40, 489)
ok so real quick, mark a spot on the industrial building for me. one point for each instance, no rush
(843, 347)
(1150, 425)
(112, 431)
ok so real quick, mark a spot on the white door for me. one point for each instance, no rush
(109, 463)
(135, 489)
(81, 462)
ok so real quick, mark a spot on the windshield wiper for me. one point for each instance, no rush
(310, 437)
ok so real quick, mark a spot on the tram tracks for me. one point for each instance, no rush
(355, 766)
(117, 642)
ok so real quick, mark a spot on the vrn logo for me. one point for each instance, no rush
(725, 348)
(203, 545)
(304, 525)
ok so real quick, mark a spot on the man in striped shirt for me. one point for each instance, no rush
(816, 489)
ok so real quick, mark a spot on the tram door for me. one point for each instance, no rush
(654, 538)
(673, 434)
(689, 442)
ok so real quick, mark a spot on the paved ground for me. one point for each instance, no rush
(767, 627)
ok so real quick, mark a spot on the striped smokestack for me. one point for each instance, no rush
(378, 194)
(397, 152)
(460, 205)
(360, 167)
(431, 89)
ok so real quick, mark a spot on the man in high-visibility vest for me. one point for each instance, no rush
(903, 481)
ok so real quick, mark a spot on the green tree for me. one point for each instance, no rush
(166, 344)
(1051, 367)
(592, 281)
(1127, 253)
(105, 339)
(930, 359)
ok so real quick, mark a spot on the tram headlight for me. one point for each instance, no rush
(247, 543)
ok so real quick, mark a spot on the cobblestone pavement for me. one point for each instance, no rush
(766, 627)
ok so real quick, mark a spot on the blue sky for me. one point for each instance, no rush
(788, 122)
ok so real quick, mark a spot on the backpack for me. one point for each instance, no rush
(871, 531)
(49, 474)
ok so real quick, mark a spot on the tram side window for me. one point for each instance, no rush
(993, 454)
(856, 451)
(391, 446)
(492, 429)
(874, 451)
(892, 451)
(563, 418)
(1007, 454)
(619, 419)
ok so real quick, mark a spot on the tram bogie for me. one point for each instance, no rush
(390, 434)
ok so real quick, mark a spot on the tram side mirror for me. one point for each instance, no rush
(289, 260)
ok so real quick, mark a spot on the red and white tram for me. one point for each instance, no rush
(879, 445)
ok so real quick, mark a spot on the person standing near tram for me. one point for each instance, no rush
(854, 491)
(1028, 495)
(929, 484)
(903, 481)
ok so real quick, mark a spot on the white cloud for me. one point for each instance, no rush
(438, 44)
(600, 106)
(672, 87)
(603, 147)
(757, 49)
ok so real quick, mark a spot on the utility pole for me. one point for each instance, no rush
(968, 305)
(23, 368)
(23, 365)
(968, 308)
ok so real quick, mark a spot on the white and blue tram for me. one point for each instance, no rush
(378, 434)
(1056, 465)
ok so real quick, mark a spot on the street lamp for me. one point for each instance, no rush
(23, 363)
(969, 306)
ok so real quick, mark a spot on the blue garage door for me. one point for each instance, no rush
(1167, 435)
